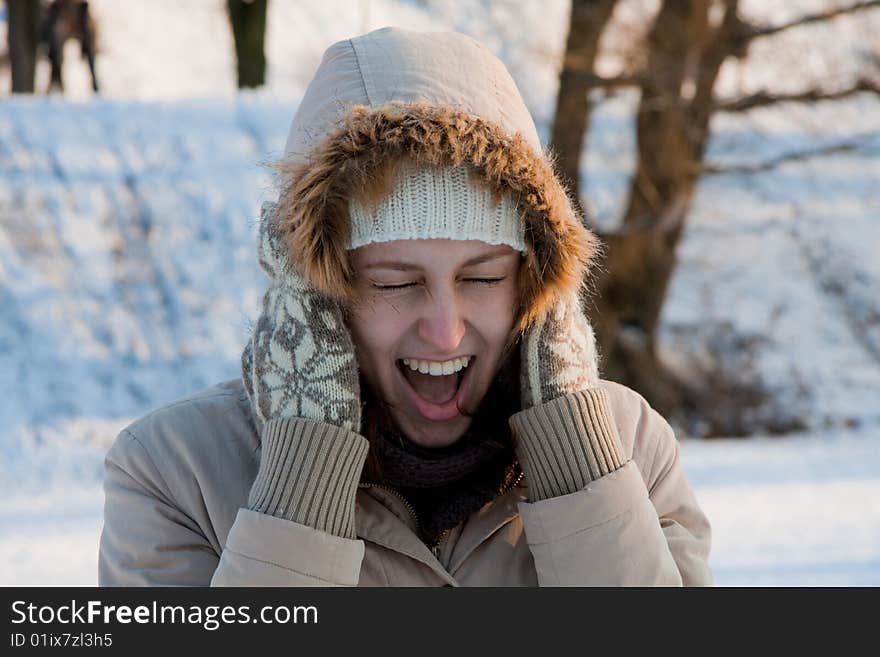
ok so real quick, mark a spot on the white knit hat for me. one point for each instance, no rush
(438, 202)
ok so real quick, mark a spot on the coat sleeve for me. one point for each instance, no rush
(639, 525)
(149, 539)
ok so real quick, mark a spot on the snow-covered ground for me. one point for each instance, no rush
(128, 277)
(794, 511)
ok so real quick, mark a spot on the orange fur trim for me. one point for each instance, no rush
(359, 160)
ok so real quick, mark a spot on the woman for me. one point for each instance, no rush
(420, 401)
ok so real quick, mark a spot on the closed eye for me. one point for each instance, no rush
(392, 287)
(401, 286)
(485, 281)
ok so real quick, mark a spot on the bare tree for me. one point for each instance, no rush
(248, 21)
(23, 36)
(588, 20)
(685, 49)
(685, 53)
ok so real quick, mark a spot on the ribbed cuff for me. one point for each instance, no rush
(566, 443)
(309, 472)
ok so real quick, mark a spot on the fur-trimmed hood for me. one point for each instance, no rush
(395, 97)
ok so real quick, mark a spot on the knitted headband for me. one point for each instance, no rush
(438, 202)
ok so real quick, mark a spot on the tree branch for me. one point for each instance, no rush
(796, 156)
(765, 98)
(594, 81)
(754, 32)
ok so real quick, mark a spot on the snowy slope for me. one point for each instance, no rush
(126, 251)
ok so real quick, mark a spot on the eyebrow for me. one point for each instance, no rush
(402, 265)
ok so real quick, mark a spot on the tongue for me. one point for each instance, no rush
(435, 389)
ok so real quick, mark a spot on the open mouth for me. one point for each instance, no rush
(436, 387)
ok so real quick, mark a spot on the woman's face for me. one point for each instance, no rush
(445, 307)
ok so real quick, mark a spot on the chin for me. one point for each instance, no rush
(434, 434)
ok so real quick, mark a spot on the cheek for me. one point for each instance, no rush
(375, 331)
(494, 313)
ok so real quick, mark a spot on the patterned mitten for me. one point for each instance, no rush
(558, 355)
(300, 361)
(566, 435)
(300, 365)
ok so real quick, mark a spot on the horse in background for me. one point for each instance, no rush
(64, 20)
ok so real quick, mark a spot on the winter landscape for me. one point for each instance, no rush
(128, 275)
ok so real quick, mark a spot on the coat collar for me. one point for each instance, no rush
(382, 517)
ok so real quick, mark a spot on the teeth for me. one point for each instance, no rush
(436, 369)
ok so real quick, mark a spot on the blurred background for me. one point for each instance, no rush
(726, 151)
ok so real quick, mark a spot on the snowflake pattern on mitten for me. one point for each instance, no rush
(300, 361)
(558, 354)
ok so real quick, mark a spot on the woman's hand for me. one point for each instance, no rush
(558, 355)
(565, 434)
(301, 359)
(301, 375)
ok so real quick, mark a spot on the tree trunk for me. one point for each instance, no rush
(588, 20)
(685, 55)
(23, 33)
(248, 20)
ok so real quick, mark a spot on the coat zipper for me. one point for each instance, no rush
(406, 504)
(435, 549)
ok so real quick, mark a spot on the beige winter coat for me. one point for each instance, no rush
(176, 482)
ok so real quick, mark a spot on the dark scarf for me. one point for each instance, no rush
(447, 485)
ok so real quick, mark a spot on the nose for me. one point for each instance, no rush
(442, 323)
